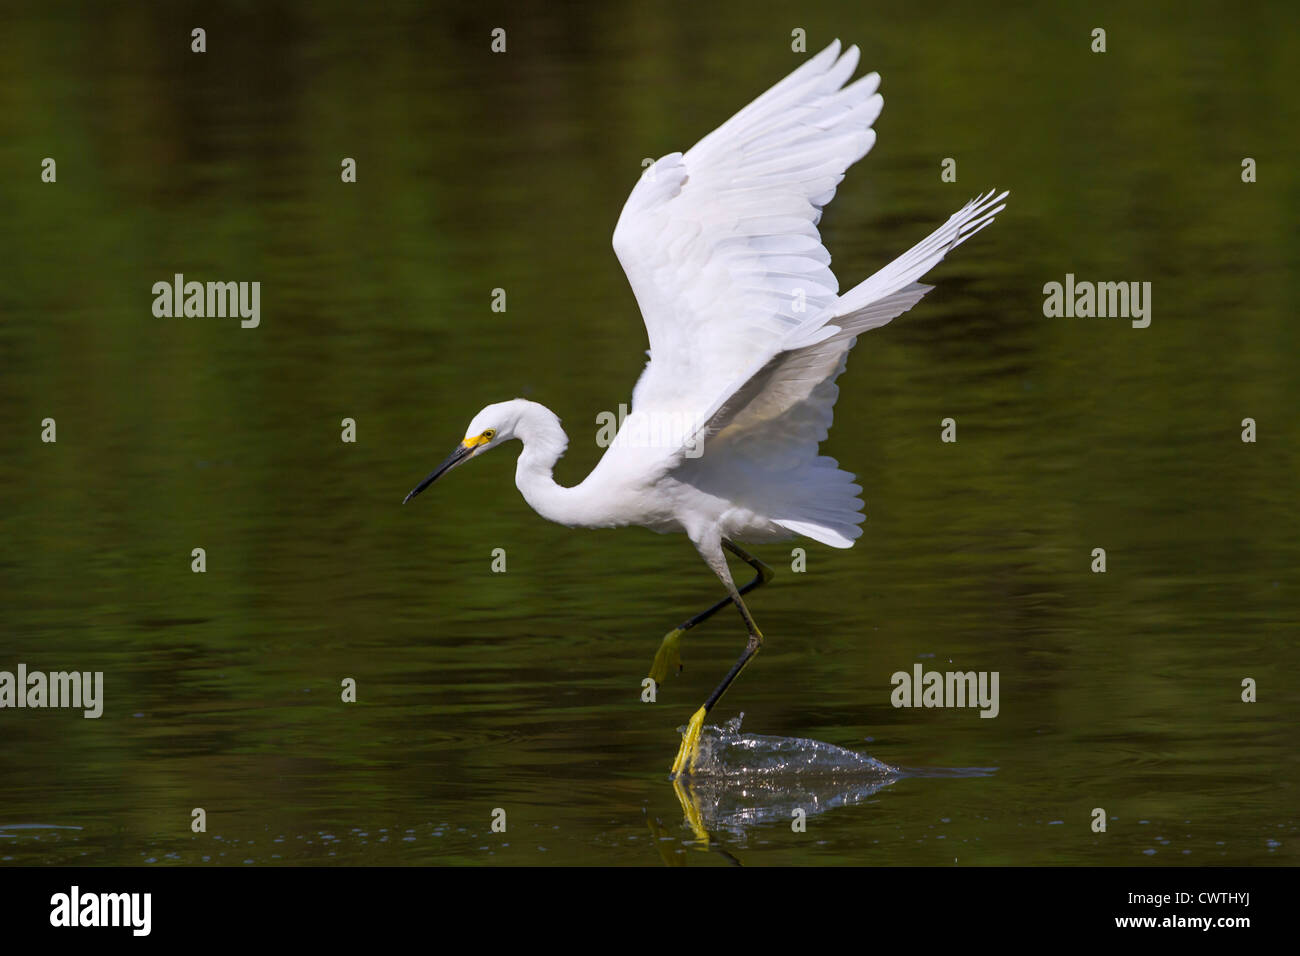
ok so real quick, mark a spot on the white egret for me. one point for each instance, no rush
(747, 336)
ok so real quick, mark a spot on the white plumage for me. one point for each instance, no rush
(747, 332)
(747, 328)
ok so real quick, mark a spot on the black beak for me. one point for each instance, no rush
(462, 452)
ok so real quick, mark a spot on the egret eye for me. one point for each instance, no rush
(490, 434)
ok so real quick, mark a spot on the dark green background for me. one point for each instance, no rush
(520, 690)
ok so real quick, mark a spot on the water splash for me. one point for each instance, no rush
(14, 830)
(726, 752)
(745, 780)
(37, 826)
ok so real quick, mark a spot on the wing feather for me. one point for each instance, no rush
(746, 327)
(720, 244)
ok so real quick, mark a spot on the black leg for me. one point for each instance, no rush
(688, 753)
(668, 659)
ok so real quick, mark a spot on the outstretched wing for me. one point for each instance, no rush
(760, 441)
(783, 383)
(721, 246)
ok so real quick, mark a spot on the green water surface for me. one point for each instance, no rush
(521, 690)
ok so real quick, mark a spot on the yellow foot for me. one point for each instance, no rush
(668, 659)
(690, 749)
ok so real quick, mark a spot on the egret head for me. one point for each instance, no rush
(489, 428)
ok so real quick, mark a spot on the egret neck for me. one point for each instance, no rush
(544, 443)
